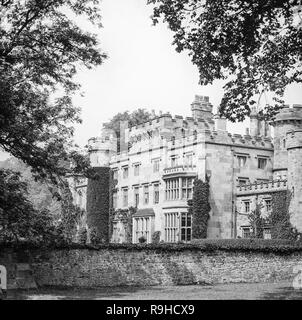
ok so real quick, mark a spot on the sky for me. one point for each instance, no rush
(143, 70)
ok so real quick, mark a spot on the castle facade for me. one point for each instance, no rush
(159, 160)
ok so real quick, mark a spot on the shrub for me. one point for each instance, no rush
(142, 239)
(205, 245)
(95, 238)
(156, 237)
(82, 235)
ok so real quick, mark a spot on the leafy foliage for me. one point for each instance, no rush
(136, 117)
(19, 220)
(257, 222)
(156, 237)
(280, 217)
(125, 216)
(98, 206)
(256, 45)
(281, 247)
(200, 208)
(82, 235)
(40, 50)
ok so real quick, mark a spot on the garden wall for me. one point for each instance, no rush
(124, 267)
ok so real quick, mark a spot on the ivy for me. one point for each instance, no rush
(98, 205)
(257, 222)
(199, 208)
(126, 217)
(281, 227)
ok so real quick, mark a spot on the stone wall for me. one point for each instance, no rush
(121, 267)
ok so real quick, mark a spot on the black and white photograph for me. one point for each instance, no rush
(150, 153)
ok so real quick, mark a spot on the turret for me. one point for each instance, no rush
(287, 120)
(102, 148)
(294, 176)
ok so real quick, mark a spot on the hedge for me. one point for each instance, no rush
(206, 245)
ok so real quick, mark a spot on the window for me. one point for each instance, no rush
(136, 170)
(146, 194)
(156, 193)
(142, 227)
(267, 233)
(136, 196)
(156, 165)
(243, 181)
(115, 232)
(241, 161)
(189, 160)
(186, 227)
(114, 199)
(247, 206)
(172, 189)
(262, 163)
(174, 161)
(171, 227)
(268, 205)
(115, 174)
(284, 143)
(187, 188)
(125, 172)
(246, 232)
(125, 197)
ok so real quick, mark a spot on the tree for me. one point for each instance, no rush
(135, 117)
(257, 221)
(255, 45)
(19, 220)
(41, 49)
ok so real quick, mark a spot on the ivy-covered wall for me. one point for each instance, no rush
(200, 208)
(98, 205)
(281, 227)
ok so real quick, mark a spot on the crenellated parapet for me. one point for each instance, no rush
(223, 137)
(102, 148)
(261, 187)
(294, 139)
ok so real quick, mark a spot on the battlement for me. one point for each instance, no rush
(294, 139)
(261, 187)
(286, 114)
(238, 139)
(101, 143)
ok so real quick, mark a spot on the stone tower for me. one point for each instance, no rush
(101, 149)
(288, 157)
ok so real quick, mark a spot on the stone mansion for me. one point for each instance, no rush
(158, 160)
